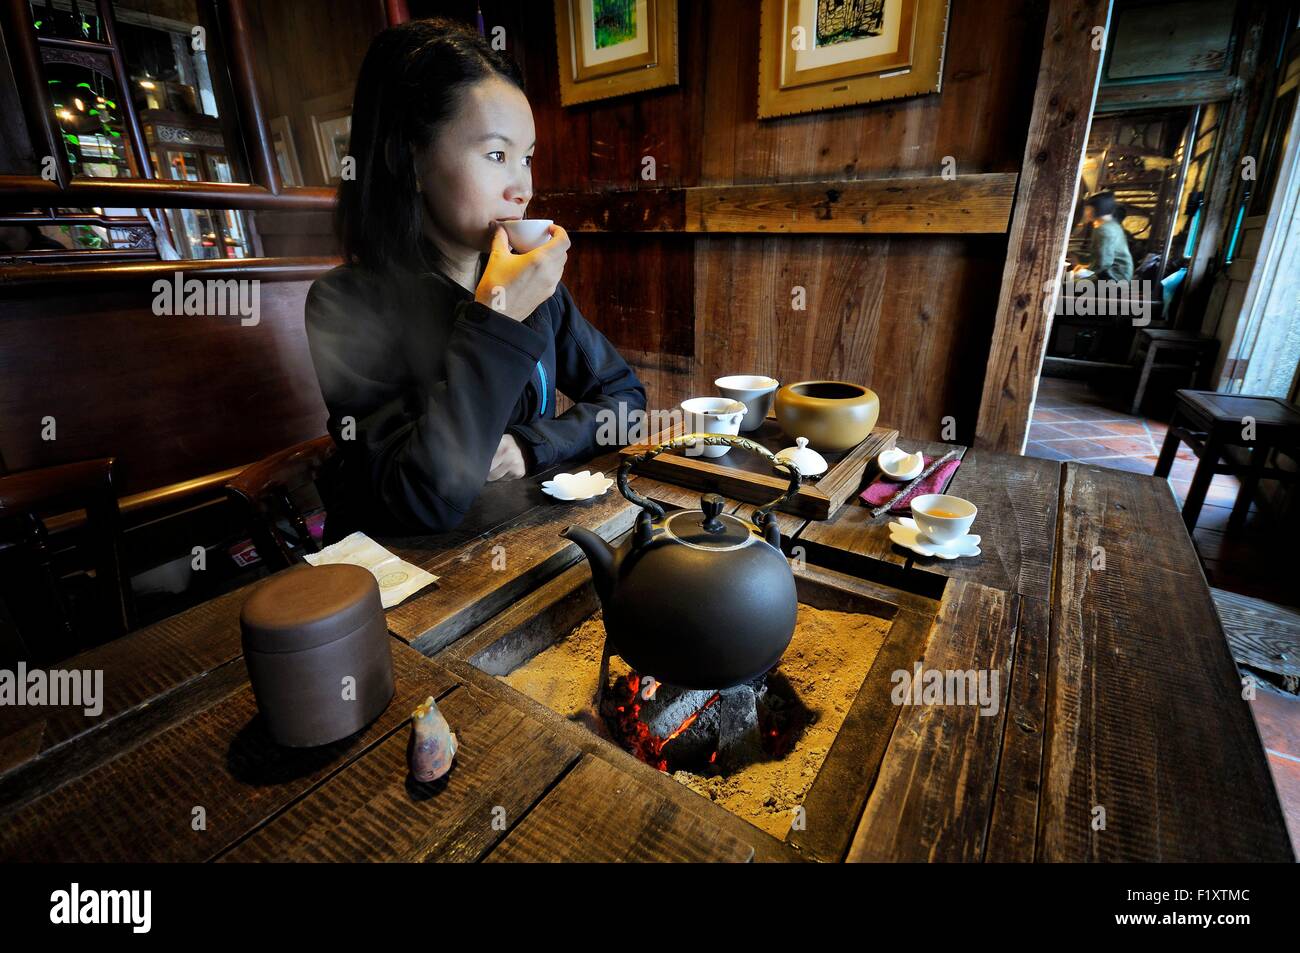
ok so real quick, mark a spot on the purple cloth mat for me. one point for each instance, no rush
(881, 488)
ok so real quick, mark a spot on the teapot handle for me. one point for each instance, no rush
(761, 515)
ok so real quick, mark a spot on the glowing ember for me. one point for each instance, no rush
(701, 731)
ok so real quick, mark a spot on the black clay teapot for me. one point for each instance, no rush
(696, 598)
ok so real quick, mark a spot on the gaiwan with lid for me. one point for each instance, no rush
(318, 654)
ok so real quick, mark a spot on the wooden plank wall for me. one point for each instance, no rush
(910, 316)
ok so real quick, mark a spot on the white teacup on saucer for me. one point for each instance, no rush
(941, 517)
(904, 532)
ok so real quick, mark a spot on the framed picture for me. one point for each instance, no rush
(331, 124)
(822, 54)
(614, 47)
(286, 153)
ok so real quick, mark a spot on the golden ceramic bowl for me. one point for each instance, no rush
(833, 415)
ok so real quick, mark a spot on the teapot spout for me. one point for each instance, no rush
(599, 554)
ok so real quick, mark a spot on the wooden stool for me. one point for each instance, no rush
(1209, 423)
(1202, 348)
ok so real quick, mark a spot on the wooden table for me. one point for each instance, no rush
(1118, 693)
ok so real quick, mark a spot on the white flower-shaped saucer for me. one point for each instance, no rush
(905, 533)
(577, 486)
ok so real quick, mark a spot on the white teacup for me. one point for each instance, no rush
(525, 234)
(712, 415)
(943, 518)
(754, 391)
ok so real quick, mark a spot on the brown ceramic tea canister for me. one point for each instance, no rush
(318, 653)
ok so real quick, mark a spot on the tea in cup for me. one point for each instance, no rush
(712, 415)
(525, 234)
(752, 390)
(942, 518)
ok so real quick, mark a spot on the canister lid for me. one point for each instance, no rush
(307, 606)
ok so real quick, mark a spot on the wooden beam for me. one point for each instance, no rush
(966, 204)
(975, 203)
(1186, 92)
(1049, 183)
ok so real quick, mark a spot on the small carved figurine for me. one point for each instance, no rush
(433, 743)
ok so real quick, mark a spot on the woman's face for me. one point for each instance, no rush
(478, 169)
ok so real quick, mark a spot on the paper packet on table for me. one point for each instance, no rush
(397, 579)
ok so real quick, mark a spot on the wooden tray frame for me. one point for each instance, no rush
(817, 499)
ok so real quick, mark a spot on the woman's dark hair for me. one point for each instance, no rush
(410, 83)
(1103, 203)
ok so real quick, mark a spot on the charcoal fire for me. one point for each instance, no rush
(707, 732)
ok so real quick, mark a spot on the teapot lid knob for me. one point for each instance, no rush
(712, 505)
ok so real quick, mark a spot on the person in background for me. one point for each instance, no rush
(439, 351)
(1107, 257)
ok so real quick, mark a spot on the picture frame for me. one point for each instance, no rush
(823, 54)
(611, 48)
(286, 152)
(331, 125)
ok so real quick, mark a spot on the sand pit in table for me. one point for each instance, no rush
(823, 668)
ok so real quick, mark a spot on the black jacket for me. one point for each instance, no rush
(433, 379)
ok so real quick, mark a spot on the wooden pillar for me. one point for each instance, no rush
(1068, 75)
(243, 75)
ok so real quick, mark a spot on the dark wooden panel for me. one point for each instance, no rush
(170, 397)
(139, 807)
(639, 291)
(934, 792)
(979, 119)
(375, 811)
(597, 813)
(1145, 716)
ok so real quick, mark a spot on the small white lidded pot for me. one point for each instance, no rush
(943, 518)
(754, 391)
(526, 234)
(712, 415)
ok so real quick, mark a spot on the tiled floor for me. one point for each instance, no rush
(1072, 422)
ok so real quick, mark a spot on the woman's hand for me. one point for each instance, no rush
(508, 462)
(516, 284)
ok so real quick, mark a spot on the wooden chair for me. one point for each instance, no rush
(46, 621)
(1211, 423)
(264, 492)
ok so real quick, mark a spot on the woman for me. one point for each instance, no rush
(1108, 257)
(438, 351)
